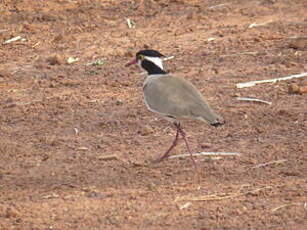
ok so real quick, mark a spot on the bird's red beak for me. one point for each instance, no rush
(134, 61)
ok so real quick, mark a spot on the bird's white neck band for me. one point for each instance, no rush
(156, 60)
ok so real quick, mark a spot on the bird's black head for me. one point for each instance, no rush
(149, 53)
(150, 60)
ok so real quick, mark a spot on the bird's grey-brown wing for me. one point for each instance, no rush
(178, 98)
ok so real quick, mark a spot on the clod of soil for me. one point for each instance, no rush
(55, 60)
(299, 43)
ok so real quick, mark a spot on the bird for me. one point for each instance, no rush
(173, 98)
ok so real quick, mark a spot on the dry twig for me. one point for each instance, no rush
(211, 39)
(253, 99)
(12, 40)
(253, 83)
(258, 24)
(186, 205)
(288, 205)
(108, 157)
(219, 5)
(206, 154)
(130, 23)
(222, 196)
(53, 195)
(76, 131)
(241, 53)
(269, 163)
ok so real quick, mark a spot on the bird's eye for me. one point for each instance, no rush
(141, 57)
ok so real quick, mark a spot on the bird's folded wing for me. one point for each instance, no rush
(176, 97)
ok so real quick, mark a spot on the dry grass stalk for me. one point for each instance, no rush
(186, 205)
(269, 163)
(253, 83)
(219, 5)
(288, 205)
(258, 24)
(206, 154)
(253, 99)
(241, 53)
(76, 131)
(108, 157)
(222, 196)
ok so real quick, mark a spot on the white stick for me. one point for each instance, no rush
(212, 158)
(130, 23)
(12, 40)
(206, 154)
(258, 24)
(168, 58)
(186, 205)
(71, 60)
(76, 131)
(220, 5)
(253, 83)
(253, 99)
(210, 39)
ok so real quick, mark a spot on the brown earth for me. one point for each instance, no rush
(77, 141)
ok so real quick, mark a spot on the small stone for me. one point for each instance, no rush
(297, 89)
(92, 194)
(119, 102)
(293, 88)
(303, 89)
(205, 146)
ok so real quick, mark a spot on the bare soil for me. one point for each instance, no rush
(77, 140)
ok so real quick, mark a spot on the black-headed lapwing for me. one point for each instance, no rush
(172, 97)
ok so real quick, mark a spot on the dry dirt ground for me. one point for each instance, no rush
(77, 141)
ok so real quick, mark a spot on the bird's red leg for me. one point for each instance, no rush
(186, 142)
(166, 154)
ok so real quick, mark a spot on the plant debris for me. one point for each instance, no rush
(253, 83)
